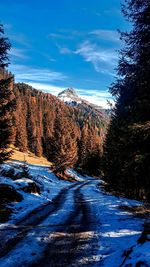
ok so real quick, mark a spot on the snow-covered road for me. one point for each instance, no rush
(81, 226)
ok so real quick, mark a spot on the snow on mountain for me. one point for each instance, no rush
(70, 97)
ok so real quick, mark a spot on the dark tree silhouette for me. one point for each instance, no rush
(89, 151)
(6, 100)
(127, 150)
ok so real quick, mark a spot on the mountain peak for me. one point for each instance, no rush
(71, 98)
(68, 92)
(69, 95)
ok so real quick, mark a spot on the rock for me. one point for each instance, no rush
(9, 194)
(28, 186)
(5, 213)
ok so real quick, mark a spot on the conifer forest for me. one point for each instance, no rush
(75, 163)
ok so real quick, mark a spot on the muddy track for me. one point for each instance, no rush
(33, 219)
(67, 248)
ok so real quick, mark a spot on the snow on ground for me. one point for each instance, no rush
(111, 232)
(118, 230)
(33, 245)
(50, 186)
(75, 175)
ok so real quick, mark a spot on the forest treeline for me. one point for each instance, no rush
(67, 136)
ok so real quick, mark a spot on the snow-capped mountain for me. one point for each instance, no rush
(70, 97)
(84, 108)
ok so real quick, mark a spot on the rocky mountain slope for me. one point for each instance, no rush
(85, 110)
(70, 97)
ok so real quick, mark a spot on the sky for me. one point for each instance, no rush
(64, 43)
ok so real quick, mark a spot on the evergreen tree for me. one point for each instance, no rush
(6, 101)
(82, 147)
(63, 151)
(89, 151)
(126, 151)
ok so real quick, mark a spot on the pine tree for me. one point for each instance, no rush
(89, 151)
(82, 147)
(20, 120)
(126, 152)
(63, 144)
(6, 101)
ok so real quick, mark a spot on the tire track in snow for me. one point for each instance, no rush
(69, 242)
(32, 219)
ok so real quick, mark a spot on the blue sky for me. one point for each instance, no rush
(64, 43)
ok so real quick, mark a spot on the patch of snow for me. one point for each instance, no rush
(69, 99)
(77, 177)
(111, 231)
(116, 230)
(49, 183)
(24, 180)
(120, 233)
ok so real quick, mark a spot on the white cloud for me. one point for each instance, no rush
(93, 96)
(97, 93)
(49, 88)
(106, 35)
(98, 101)
(56, 35)
(64, 50)
(17, 53)
(67, 34)
(19, 38)
(60, 36)
(43, 80)
(7, 26)
(98, 97)
(29, 74)
(103, 60)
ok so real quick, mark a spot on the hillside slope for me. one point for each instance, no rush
(28, 157)
(35, 115)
